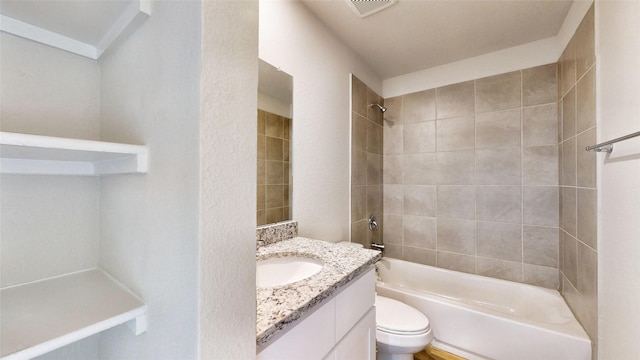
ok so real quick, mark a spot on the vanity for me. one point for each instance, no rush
(328, 314)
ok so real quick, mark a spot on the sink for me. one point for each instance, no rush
(285, 270)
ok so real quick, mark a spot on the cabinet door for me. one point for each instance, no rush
(360, 341)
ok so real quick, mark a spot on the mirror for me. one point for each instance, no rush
(274, 180)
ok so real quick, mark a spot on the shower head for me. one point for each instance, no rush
(380, 107)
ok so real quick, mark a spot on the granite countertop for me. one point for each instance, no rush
(279, 308)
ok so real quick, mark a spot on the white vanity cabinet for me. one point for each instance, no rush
(343, 328)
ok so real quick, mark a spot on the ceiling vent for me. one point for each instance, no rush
(364, 8)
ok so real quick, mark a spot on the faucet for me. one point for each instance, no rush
(373, 226)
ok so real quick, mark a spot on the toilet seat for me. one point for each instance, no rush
(397, 318)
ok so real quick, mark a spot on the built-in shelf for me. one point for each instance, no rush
(45, 155)
(42, 316)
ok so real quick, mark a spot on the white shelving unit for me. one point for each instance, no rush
(45, 155)
(42, 316)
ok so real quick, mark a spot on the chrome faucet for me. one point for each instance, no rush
(373, 223)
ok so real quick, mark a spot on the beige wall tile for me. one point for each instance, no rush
(374, 170)
(455, 100)
(569, 210)
(359, 132)
(358, 96)
(374, 138)
(261, 217)
(262, 147)
(540, 276)
(274, 126)
(569, 114)
(419, 137)
(419, 231)
(586, 168)
(455, 133)
(393, 251)
(275, 197)
(358, 203)
(274, 149)
(456, 168)
(457, 236)
(420, 256)
(360, 233)
(540, 165)
(588, 275)
(540, 125)
(286, 150)
(274, 215)
(392, 139)
(499, 240)
(585, 43)
(393, 229)
(358, 167)
(539, 85)
(568, 65)
(392, 169)
(374, 114)
(393, 196)
(499, 92)
(419, 107)
(275, 172)
(540, 246)
(498, 129)
(500, 269)
(540, 205)
(586, 101)
(374, 201)
(457, 202)
(261, 121)
(394, 114)
(419, 200)
(286, 122)
(499, 203)
(419, 169)
(570, 259)
(499, 166)
(586, 216)
(569, 162)
(457, 262)
(261, 197)
(261, 172)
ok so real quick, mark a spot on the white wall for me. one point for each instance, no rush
(294, 40)
(228, 155)
(618, 85)
(149, 223)
(49, 224)
(524, 56)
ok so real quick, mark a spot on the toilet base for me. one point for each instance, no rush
(387, 356)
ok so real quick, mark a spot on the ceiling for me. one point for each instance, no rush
(414, 35)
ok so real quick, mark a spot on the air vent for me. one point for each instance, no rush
(364, 8)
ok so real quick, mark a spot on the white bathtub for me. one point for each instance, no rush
(477, 317)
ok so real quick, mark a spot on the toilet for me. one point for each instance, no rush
(401, 330)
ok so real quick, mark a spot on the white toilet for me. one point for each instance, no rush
(401, 330)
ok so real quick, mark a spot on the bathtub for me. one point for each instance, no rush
(477, 317)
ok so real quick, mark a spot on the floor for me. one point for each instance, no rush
(433, 353)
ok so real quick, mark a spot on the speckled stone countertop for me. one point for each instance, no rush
(278, 308)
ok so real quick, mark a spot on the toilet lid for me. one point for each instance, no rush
(395, 317)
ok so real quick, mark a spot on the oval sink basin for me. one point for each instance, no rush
(285, 270)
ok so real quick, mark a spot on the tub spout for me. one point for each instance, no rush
(379, 247)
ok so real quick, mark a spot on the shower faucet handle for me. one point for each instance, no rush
(373, 223)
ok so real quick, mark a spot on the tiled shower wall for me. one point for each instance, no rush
(274, 182)
(366, 163)
(578, 230)
(471, 176)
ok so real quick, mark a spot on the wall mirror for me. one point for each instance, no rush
(274, 180)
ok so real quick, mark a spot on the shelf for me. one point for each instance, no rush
(45, 155)
(45, 315)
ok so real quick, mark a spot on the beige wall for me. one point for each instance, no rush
(471, 176)
(578, 232)
(366, 163)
